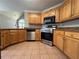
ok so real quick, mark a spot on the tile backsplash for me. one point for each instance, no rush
(74, 23)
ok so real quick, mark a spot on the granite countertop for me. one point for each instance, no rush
(18, 28)
(12, 28)
(69, 28)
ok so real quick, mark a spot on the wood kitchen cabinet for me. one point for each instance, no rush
(42, 18)
(37, 35)
(60, 42)
(68, 42)
(65, 11)
(43, 15)
(34, 18)
(22, 35)
(73, 34)
(57, 14)
(75, 8)
(5, 38)
(71, 47)
(14, 36)
(59, 39)
(51, 12)
(17, 36)
(47, 14)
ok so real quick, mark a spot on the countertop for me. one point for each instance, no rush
(69, 28)
(18, 28)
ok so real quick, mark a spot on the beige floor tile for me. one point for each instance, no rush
(32, 50)
(35, 51)
(44, 56)
(35, 56)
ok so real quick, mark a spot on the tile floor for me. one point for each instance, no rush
(32, 50)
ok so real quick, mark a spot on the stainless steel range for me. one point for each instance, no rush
(46, 36)
(47, 31)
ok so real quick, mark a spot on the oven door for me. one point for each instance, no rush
(46, 36)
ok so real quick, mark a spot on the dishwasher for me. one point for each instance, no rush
(31, 35)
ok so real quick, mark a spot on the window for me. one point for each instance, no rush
(21, 23)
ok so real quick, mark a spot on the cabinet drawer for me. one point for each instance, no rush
(72, 34)
(61, 32)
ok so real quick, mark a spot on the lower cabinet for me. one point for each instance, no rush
(22, 35)
(14, 36)
(58, 40)
(5, 38)
(37, 34)
(71, 47)
(67, 43)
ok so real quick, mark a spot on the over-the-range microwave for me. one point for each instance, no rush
(49, 20)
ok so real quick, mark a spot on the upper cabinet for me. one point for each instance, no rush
(57, 14)
(65, 11)
(47, 14)
(69, 10)
(34, 18)
(75, 7)
(51, 12)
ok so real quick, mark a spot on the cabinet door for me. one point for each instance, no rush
(57, 15)
(22, 35)
(58, 40)
(62, 14)
(42, 18)
(65, 11)
(54, 38)
(52, 12)
(38, 19)
(14, 36)
(5, 40)
(71, 47)
(34, 18)
(75, 7)
(37, 34)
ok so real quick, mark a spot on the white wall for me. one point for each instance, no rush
(26, 19)
(8, 19)
(6, 22)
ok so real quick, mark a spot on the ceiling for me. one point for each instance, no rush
(25, 5)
